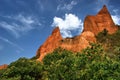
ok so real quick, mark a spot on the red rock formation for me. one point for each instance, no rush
(74, 44)
(3, 66)
(50, 44)
(100, 22)
(78, 43)
(92, 26)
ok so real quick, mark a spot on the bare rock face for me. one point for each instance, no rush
(4, 66)
(89, 36)
(74, 44)
(100, 22)
(78, 43)
(50, 44)
(92, 26)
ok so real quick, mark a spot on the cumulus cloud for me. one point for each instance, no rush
(116, 19)
(66, 6)
(70, 23)
(19, 24)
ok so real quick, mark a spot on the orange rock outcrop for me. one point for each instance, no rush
(74, 44)
(100, 22)
(4, 66)
(92, 26)
(52, 42)
(79, 42)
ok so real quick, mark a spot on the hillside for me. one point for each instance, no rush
(110, 42)
(93, 24)
(91, 63)
(93, 55)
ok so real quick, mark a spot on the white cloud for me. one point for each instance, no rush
(20, 24)
(11, 43)
(66, 6)
(70, 23)
(115, 11)
(116, 19)
(10, 27)
(25, 20)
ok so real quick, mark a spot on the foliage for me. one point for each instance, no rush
(118, 26)
(23, 69)
(93, 63)
(33, 58)
(111, 43)
(59, 64)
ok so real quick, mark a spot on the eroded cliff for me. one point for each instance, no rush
(92, 26)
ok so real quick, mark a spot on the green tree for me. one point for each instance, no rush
(24, 69)
(91, 64)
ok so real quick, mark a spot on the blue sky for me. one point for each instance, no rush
(25, 24)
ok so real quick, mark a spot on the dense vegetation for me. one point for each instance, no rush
(101, 61)
(110, 42)
(22, 69)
